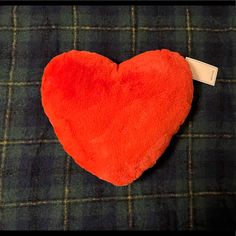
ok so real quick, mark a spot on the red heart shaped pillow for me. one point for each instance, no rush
(116, 120)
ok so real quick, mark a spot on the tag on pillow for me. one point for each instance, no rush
(202, 71)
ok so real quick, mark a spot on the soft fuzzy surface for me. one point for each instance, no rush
(115, 121)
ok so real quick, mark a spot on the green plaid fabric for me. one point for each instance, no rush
(193, 185)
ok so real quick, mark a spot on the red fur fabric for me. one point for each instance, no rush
(115, 121)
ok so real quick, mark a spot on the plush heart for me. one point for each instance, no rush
(116, 120)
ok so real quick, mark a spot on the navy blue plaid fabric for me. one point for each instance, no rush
(192, 186)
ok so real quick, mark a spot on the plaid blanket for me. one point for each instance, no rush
(193, 185)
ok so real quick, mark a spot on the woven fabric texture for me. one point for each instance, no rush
(193, 185)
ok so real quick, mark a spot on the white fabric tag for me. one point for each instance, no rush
(202, 71)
